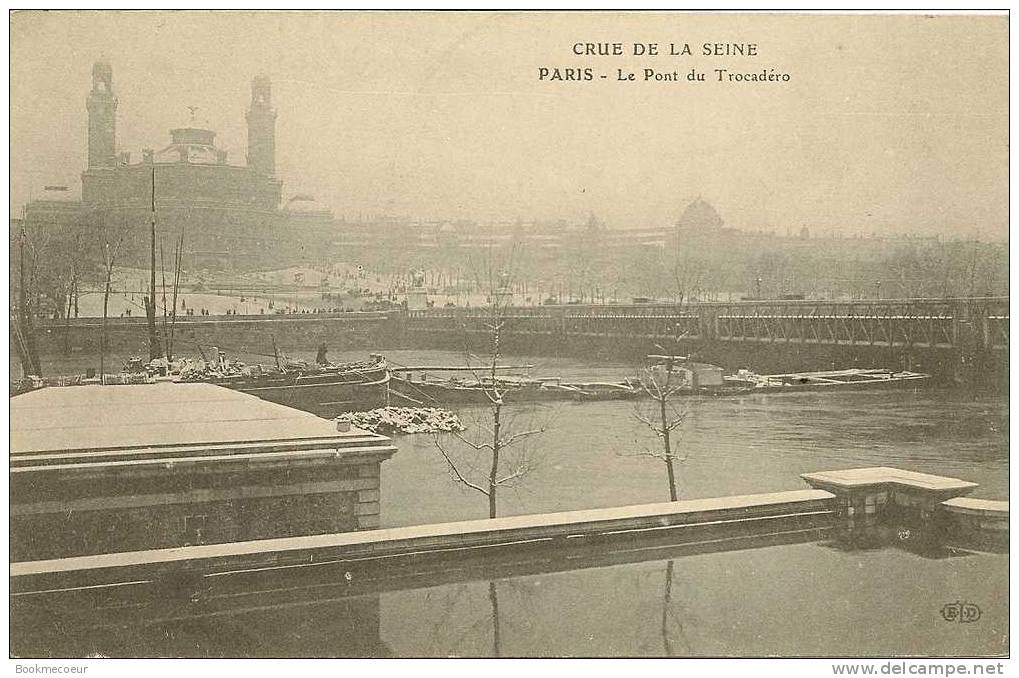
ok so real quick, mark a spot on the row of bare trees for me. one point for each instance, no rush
(56, 262)
(54, 268)
(703, 269)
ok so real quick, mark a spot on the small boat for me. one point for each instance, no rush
(599, 390)
(457, 391)
(693, 378)
(513, 389)
(826, 380)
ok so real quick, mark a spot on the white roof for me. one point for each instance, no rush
(124, 420)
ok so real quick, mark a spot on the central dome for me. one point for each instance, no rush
(193, 145)
(193, 135)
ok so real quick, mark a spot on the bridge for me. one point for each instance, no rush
(957, 338)
(947, 336)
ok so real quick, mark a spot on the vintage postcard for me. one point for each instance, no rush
(509, 334)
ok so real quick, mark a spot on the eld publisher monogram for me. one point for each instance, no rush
(964, 613)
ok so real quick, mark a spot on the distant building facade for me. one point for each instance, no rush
(230, 215)
(233, 217)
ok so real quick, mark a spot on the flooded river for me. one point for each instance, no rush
(734, 445)
(795, 598)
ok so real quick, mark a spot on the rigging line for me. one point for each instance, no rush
(162, 270)
(414, 388)
(418, 391)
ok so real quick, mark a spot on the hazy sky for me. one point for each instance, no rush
(888, 123)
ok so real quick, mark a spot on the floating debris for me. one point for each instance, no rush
(390, 420)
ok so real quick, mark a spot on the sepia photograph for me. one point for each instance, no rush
(509, 334)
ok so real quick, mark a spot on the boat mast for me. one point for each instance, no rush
(162, 275)
(176, 285)
(150, 305)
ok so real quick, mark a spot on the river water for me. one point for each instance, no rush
(734, 445)
(789, 600)
(798, 598)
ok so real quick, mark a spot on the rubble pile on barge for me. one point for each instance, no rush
(390, 420)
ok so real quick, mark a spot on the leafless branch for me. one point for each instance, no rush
(456, 472)
(675, 422)
(647, 421)
(520, 472)
(653, 454)
(477, 446)
(647, 389)
(643, 453)
(512, 438)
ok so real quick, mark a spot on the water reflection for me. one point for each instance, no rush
(931, 542)
(139, 624)
(797, 600)
(333, 609)
(800, 592)
(672, 619)
(493, 597)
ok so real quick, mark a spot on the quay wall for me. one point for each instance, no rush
(238, 335)
(631, 525)
(857, 505)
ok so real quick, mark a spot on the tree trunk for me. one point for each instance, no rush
(102, 333)
(496, 635)
(67, 317)
(19, 341)
(667, 443)
(493, 475)
(25, 313)
(666, 604)
(494, 472)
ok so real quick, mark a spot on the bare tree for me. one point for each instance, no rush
(21, 309)
(51, 263)
(689, 270)
(688, 277)
(109, 247)
(490, 444)
(660, 383)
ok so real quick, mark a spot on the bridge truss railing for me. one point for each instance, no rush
(974, 323)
